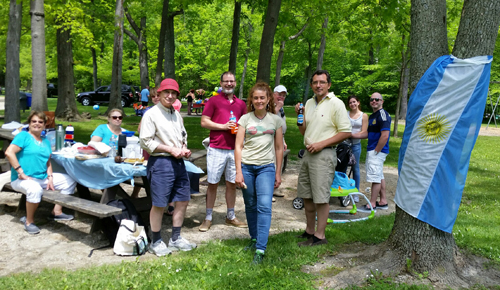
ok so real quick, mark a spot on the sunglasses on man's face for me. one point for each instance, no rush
(375, 99)
(117, 117)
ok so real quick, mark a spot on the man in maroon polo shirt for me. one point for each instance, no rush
(220, 153)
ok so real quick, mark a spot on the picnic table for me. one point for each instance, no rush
(105, 174)
(7, 137)
(198, 108)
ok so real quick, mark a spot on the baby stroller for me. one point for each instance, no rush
(342, 187)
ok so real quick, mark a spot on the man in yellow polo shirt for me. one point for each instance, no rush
(325, 125)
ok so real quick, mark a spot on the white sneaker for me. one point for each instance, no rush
(159, 249)
(181, 245)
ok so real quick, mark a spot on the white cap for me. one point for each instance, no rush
(280, 88)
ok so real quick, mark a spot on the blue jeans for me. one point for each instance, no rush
(258, 198)
(356, 150)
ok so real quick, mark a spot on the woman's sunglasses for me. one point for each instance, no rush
(117, 117)
(37, 121)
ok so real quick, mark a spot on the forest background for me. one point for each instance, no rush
(365, 44)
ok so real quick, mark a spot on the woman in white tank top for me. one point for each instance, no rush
(359, 123)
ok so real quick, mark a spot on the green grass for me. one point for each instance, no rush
(217, 265)
(476, 227)
(223, 264)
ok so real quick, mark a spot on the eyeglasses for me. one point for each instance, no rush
(117, 117)
(375, 99)
(39, 121)
(319, 83)
(228, 82)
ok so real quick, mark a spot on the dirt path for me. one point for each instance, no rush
(67, 244)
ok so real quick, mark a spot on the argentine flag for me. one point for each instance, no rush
(442, 123)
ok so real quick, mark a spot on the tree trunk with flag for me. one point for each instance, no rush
(443, 121)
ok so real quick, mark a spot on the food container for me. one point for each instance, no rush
(87, 150)
(133, 149)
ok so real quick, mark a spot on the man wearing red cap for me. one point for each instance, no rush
(164, 137)
(220, 153)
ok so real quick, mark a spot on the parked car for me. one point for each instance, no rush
(103, 93)
(51, 90)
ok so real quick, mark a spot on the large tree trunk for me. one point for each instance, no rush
(235, 38)
(428, 36)
(66, 102)
(404, 98)
(279, 63)
(413, 240)
(403, 85)
(94, 67)
(12, 77)
(140, 39)
(308, 74)
(94, 57)
(478, 28)
(143, 55)
(116, 72)
(161, 43)
(170, 48)
(267, 41)
(243, 74)
(322, 46)
(39, 96)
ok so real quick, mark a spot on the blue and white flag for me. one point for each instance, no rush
(443, 120)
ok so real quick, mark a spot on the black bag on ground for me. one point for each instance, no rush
(110, 225)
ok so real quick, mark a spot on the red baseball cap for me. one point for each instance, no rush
(169, 84)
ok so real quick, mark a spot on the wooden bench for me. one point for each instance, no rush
(89, 207)
(197, 155)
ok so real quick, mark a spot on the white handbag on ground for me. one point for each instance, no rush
(131, 239)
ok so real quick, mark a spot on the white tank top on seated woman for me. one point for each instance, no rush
(356, 125)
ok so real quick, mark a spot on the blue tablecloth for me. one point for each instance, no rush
(103, 173)
(98, 173)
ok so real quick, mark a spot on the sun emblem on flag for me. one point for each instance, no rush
(433, 128)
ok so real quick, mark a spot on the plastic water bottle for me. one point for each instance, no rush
(300, 116)
(59, 137)
(232, 118)
(70, 134)
(113, 141)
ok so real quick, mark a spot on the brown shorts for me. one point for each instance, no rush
(316, 175)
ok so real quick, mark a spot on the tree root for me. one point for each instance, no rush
(357, 262)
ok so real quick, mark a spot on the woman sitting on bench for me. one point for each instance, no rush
(31, 172)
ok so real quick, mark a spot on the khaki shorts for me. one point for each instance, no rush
(316, 175)
(375, 166)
